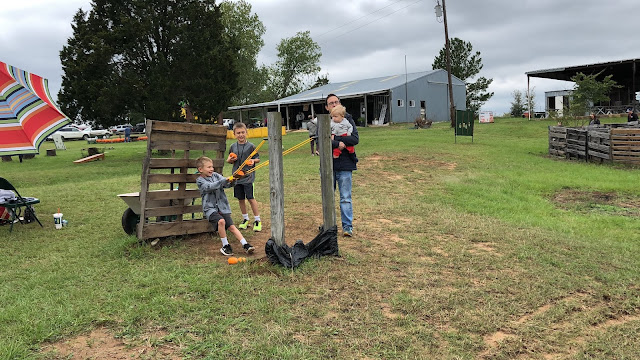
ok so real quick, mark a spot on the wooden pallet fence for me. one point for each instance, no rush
(599, 145)
(576, 144)
(173, 210)
(557, 141)
(625, 145)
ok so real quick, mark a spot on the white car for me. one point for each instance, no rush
(96, 133)
(72, 133)
(119, 129)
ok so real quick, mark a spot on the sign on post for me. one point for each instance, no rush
(57, 139)
(464, 124)
(486, 117)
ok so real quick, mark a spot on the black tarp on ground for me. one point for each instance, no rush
(325, 243)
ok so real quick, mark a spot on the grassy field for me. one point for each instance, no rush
(483, 250)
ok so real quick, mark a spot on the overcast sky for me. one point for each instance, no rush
(363, 39)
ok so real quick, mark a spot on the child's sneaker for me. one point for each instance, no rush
(248, 248)
(347, 233)
(226, 250)
(257, 226)
(243, 225)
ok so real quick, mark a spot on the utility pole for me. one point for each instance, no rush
(440, 11)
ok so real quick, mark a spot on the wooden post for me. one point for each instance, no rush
(326, 171)
(276, 184)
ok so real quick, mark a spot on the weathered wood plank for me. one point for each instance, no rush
(620, 131)
(186, 227)
(178, 163)
(174, 210)
(187, 145)
(187, 137)
(173, 194)
(276, 184)
(627, 147)
(171, 178)
(626, 153)
(189, 128)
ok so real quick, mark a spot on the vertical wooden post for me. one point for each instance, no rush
(326, 171)
(144, 182)
(276, 184)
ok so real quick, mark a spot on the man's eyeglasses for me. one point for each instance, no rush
(337, 102)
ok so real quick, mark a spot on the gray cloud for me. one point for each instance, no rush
(512, 36)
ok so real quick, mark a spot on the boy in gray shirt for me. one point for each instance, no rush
(216, 206)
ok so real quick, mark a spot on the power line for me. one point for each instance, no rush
(371, 22)
(361, 17)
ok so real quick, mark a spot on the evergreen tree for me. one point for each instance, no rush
(465, 66)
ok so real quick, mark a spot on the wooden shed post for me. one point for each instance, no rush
(276, 184)
(326, 171)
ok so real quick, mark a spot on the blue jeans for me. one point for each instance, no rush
(343, 180)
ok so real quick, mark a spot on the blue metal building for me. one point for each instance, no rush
(396, 99)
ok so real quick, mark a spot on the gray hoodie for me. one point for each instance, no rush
(212, 192)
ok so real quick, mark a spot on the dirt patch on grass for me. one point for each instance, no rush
(610, 203)
(101, 344)
(413, 163)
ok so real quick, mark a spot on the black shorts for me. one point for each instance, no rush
(216, 216)
(243, 191)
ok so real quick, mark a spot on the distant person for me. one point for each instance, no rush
(594, 119)
(216, 206)
(243, 189)
(343, 167)
(340, 126)
(312, 126)
(631, 115)
(299, 118)
(127, 134)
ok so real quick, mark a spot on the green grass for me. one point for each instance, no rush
(460, 252)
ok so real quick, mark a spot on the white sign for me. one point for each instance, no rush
(486, 116)
(57, 139)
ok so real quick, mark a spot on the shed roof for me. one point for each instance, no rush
(349, 89)
(622, 71)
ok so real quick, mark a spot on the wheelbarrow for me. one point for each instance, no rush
(131, 216)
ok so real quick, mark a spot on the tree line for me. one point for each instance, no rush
(131, 60)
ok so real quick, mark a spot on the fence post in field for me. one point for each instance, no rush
(326, 171)
(276, 184)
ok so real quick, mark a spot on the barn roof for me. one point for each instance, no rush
(349, 89)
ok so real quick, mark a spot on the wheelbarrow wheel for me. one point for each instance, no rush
(129, 221)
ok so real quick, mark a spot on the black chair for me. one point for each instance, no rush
(21, 207)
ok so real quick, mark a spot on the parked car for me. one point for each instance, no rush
(70, 132)
(96, 133)
(119, 129)
(139, 128)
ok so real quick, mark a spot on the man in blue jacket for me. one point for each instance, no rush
(343, 166)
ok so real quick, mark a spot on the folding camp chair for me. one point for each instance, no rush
(17, 205)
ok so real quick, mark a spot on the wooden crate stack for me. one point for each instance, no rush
(177, 216)
(625, 145)
(599, 145)
(576, 144)
(557, 141)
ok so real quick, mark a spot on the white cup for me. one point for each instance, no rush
(57, 219)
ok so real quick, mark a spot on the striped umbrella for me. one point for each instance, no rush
(27, 113)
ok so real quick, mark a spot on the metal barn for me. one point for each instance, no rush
(396, 99)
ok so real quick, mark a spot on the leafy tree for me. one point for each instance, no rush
(588, 91)
(321, 81)
(465, 66)
(245, 29)
(298, 58)
(145, 56)
(517, 105)
(531, 99)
